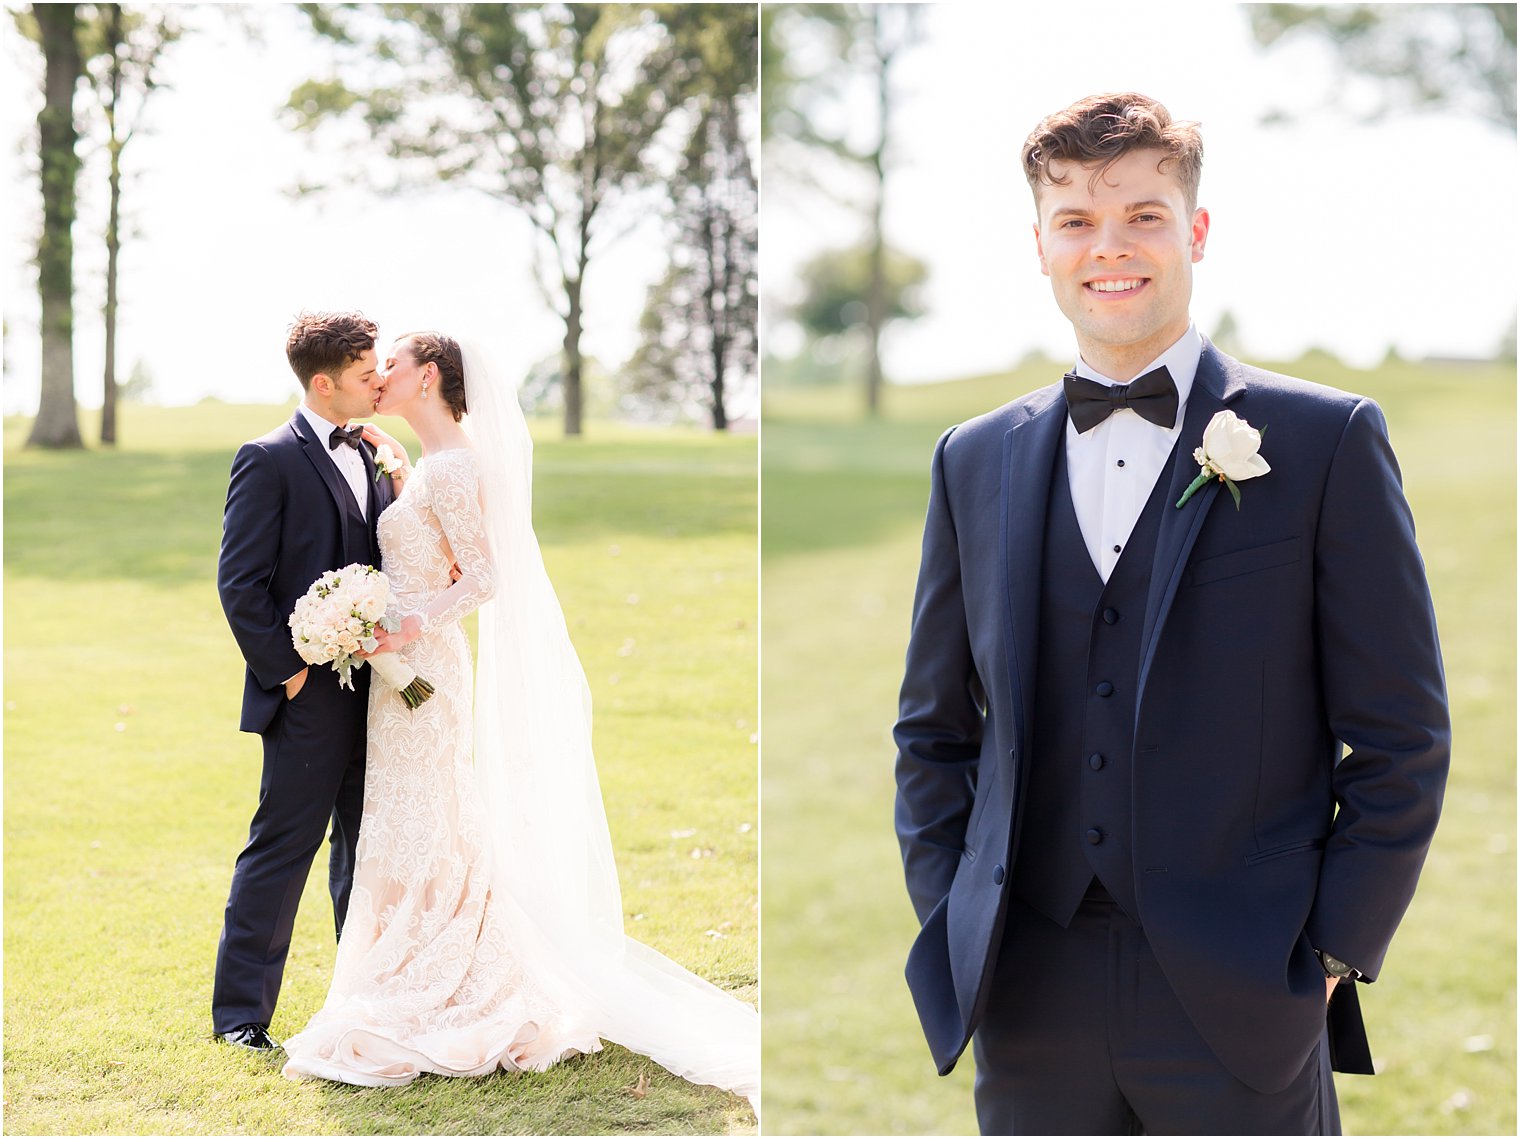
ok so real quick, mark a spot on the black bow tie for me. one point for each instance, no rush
(1152, 396)
(341, 435)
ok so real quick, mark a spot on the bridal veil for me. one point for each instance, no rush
(550, 844)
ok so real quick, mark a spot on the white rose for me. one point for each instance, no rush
(1230, 445)
(370, 608)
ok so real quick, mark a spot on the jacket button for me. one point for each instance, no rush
(1110, 616)
(1095, 761)
(997, 875)
(1094, 836)
(1104, 689)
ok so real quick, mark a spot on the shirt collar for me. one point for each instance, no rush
(1181, 360)
(323, 427)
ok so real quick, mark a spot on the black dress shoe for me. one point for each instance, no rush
(252, 1036)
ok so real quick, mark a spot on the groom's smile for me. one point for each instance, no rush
(1122, 288)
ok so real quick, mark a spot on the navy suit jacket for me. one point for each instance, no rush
(285, 525)
(1291, 733)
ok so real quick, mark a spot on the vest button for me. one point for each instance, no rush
(1104, 689)
(1095, 761)
(997, 875)
(1110, 616)
(1094, 836)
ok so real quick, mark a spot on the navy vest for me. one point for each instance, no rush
(1076, 798)
(362, 545)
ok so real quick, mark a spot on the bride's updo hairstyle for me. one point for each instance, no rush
(436, 348)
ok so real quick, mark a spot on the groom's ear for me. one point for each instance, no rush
(322, 384)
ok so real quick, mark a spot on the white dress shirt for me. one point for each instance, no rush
(346, 458)
(1113, 467)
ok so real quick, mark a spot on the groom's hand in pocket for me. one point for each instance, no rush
(296, 683)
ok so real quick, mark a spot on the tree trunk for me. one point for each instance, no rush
(876, 293)
(572, 361)
(113, 226)
(715, 250)
(113, 246)
(57, 423)
(720, 410)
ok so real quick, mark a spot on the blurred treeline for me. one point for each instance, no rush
(578, 116)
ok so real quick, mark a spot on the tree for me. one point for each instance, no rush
(139, 385)
(553, 108)
(866, 40)
(698, 332)
(1422, 56)
(57, 28)
(1506, 348)
(542, 391)
(124, 53)
(1226, 334)
(836, 282)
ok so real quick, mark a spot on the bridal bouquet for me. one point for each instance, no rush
(337, 618)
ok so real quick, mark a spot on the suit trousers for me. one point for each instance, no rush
(313, 774)
(1083, 1035)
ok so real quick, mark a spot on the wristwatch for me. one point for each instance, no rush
(1335, 967)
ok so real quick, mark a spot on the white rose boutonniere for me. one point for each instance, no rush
(1229, 453)
(386, 461)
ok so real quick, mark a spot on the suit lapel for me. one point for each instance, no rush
(1029, 452)
(381, 495)
(316, 452)
(372, 505)
(1216, 384)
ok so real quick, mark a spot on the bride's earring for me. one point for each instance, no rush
(424, 389)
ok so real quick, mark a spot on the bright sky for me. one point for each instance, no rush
(223, 256)
(1325, 232)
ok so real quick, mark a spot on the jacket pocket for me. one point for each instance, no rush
(1241, 562)
(1274, 852)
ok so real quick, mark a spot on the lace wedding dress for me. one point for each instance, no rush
(426, 978)
(484, 929)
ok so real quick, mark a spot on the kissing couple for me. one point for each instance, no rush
(471, 870)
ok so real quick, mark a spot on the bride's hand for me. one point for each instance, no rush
(375, 438)
(411, 629)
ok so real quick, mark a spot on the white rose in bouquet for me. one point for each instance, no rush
(337, 617)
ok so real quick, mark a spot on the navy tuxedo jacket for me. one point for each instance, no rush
(1291, 735)
(287, 522)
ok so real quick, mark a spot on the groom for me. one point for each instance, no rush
(303, 500)
(1167, 771)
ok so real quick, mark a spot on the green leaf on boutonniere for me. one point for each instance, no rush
(1234, 491)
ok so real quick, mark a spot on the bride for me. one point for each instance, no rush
(485, 927)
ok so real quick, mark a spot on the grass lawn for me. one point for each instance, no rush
(128, 788)
(843, 505)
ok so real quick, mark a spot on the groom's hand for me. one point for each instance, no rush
(296, 683)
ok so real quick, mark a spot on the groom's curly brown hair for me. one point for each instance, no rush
(327, 342)
(1101, 129)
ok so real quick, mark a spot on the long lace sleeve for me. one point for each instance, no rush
(454, 491)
